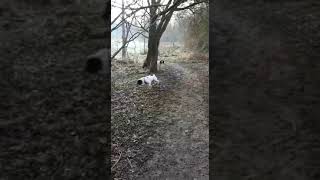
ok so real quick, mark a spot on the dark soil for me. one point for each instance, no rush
(266, 90)
(53, 114)
(161, 131)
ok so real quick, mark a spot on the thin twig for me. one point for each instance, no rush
(129, 162)
(117, 161)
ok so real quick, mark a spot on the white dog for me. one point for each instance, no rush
(147, 80)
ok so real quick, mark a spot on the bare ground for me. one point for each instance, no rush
(173, 116)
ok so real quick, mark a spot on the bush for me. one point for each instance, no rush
(197, 30)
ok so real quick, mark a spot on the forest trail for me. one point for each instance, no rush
(170, 128)
(183, 144)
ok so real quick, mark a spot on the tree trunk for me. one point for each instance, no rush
(153, 41)
(124, 38)
(152, 55)
(144, 45)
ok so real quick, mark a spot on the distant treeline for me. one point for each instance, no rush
(196, 36)
(190, 28)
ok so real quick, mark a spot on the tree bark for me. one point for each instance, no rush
(153, 42)
(153, 52)
(124, 37)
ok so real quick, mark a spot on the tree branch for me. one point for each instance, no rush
(132, 38)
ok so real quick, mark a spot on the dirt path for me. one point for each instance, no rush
(163, 131)
(182, 149)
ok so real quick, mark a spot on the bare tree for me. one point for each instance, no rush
(128, 36)
(124, 29)
(160, 13)
(160, 16)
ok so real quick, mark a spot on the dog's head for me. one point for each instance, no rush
(139, 82)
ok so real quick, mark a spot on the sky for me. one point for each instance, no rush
(115, 11)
